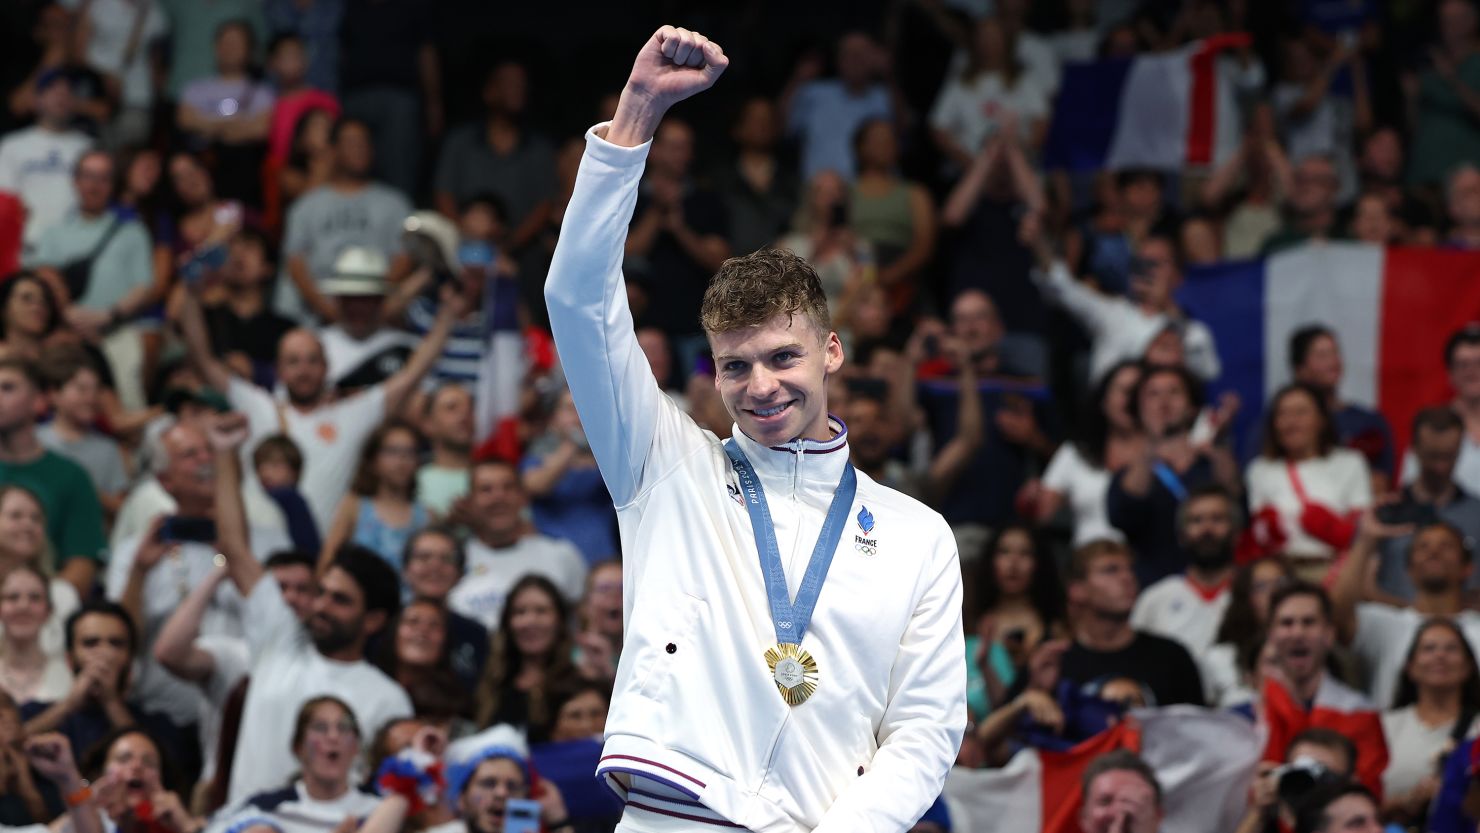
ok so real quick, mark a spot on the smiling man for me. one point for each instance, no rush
(793, 651)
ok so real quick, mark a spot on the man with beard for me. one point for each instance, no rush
(1431, 495)
(329, 430)
(1439, 565)
(1102, 586)
(1189, 607)
(294, 661)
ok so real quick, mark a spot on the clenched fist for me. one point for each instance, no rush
(673, 65)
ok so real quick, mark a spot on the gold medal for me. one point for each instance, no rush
(794, 671)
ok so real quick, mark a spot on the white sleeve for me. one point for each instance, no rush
(268, 621)
(257, 404)
(9, 179)
(1088, 306)
(1356, 484)
(925, 718)
(1202, 352)
(1409, 468)
(120, 564)
(1374, 622)
(1062, 469)
(572, 572)
(615, 391)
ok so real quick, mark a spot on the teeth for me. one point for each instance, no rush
(772, 411)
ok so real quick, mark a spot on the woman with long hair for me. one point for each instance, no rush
(29, 314)
(381, 512)
(532, 654)
(139, 801)
(1022, 603)
(896, 216)
(28, 673)
(1230, 666)
(993, 94)
(1435, 708)
(23, 543)
(418, 655)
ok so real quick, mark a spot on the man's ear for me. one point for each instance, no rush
(833, 349)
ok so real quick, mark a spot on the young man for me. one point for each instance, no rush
(73, 385)
(1121, 795)
(843, 721)
(1189, 607)
(1437, 437)
(447, 423)
(37, 162)
(1462, 361)
(74, 517)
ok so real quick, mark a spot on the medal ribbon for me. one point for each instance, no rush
(791, 617)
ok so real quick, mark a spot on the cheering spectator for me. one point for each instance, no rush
(1188, 607)
(1305, 490)
(1348, 807)
(102, 644)
(434, 563)
(759, 187)
(569, 499)
(417, 653)
(1437, 436)
(826, 114)
(360, 348)
(74, 516)
(1435, 709)
(305, 164)
(1315, 360)
(326, 743)
(29, 314)
(138, 769)
(822, 236)
(1232, 668)
(1323, 757)
(349, 210)
(72, 387)
(38, 163)
(1121, 795)
(29, 673)
(244, 329)
(1313, 117)
(1249, 187)
(502, 550)
(381, 512)
(447, 424)
(230, 113)
(23, 544)
(1104, 247)
(896, 216)
(599, 640)
(532, 649)
(1373, 221)
(994, 94)
(390, 78)
(21, 802)
(1022, 604)
(1311, 207)
(1443, 97)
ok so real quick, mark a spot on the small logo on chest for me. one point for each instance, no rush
(867, 546)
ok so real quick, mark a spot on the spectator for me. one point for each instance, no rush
(434, 562)
(1249, 187)
(1188, 607)
(29, 314)
(326, 743)
(896, 216)
(1105, 247)
(1381, 170)
(314, 25)
(417, 653)
(1435, 709)
(29, 673)
(306, 162)
(1105, 647)
(151, 574)
(1144, 497)
(501, 156)
(1304, 489)
(568, 497)
(1121, 795)
(447, 424)
(502, 550)
(479, 787)
(826, 114)
(23, 544)
(599, 640)
(293, 661)
(21, 803)
(277, 462)
(73, 514)
(1326, 756)
(117, 40)
(1442, 97)
(390, 78)
(349, 210)
(1439, 564)
(1021, 598)
(217, 664)
(330, 431)
(230, 112)
(532, 649)
(678, 237)
(1078, 476)
(759, 187)
(995, 94)
(140, 766)
(1437, 437)
(1122, 328)
(101, 646)
(200, 221)
(37, 163)
(381, 512)
(1351, 808)
(1310, 208)
(1462, 360)
(822, 236)
(1462, 199)
(1232, 667)
(244, 329)
(1374, 222)
(1316, 119)
(193, 30)
(72, 388)
(360, 348)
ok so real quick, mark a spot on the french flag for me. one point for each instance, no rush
(1167, 112)
(1335, 707)
(1392, 310)
(1204, 760)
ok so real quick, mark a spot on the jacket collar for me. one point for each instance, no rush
(812, 460)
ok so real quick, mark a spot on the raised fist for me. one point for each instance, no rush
(674, 64)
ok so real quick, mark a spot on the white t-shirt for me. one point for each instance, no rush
(1223, 684)
(53, 637)
(492, 572)
(1178, 609)
(37, 164)
(971, 110)
(287, 671)
(1384, 635)
(1413, 749)
(1339, 481)
(113, 24)
(166, 586)
(232, 659)
(1084, 488)
(330, 437)
(437, 488)
(292, 810)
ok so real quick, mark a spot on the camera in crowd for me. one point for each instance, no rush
(1297, 779)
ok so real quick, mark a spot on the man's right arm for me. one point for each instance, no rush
(613, 385)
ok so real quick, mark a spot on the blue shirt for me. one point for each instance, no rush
(824, 115)
(578, 509)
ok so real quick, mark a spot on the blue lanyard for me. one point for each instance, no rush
(1170, 480)
(791, 618)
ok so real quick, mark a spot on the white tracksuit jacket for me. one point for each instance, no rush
(694, 704)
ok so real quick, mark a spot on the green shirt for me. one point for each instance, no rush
(74, 517)
(1446, 133)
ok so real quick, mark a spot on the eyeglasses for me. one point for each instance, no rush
(324, 727)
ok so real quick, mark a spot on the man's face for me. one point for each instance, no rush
(1322, 367)
(673, 149)
(431, 567)
(101, 640)
(1301, 637)
(1164, 405)
(189, 475)
(497, 496)
(1382, 156)
(867, 437)
(1437, 452)
(1351, 814)
(1436, 560)
(773, 378)
(77, 399)
(450, 421)
(296, 581)
(1331, 758)
(1156, 275)
(94, 181)
(1120, 801)
(301, 366)
(1464, 197)
(975, 322)
(18, 401)
(233, 49)
(1110, 586)
(857, 59)
(1464, 371)
(246, 264)
(359, 315)
(1315, 187)
(757, 127)
(337, 617)
(489, 789)
(1207, 531)
(507, 90)
(353, 150)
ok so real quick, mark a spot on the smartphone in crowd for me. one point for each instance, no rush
(180, 529)
(522, 815)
